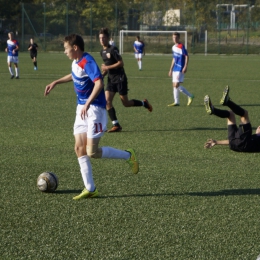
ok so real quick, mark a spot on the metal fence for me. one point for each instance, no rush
(230, 28)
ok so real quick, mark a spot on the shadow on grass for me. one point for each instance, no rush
(233, 192)
(226, 192)
(68, 191)
(173, 129)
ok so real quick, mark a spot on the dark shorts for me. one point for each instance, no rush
(120, 87)
(33, 55)
(239, 136)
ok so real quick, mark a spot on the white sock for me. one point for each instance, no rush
(140, 66)
(184, 91)
(17, 72)
(11, 71)
(112, 153)
(86, 172)
(176, 95)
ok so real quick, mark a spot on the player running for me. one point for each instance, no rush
(91, 116)
(117, 81)
(33, 47)
(12, 54)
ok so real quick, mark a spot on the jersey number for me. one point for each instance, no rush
(98, 128)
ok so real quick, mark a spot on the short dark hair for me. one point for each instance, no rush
(75, 39)
(177, 34)
(104, 31)
(138, 37)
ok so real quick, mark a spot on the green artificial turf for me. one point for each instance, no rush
(185, 203)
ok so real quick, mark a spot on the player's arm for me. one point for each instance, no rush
(51, 86)
(170, 71)
(184, 70)
(96, 90)
(16, 48)
(118, 64)
(211, 142)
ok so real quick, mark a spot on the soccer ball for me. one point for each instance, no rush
(47, 182)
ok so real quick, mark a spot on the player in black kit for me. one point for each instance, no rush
(32, 47)
(241, 138)
(117, 80)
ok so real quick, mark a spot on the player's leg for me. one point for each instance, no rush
(137, 59)
(211, 110)
(135, 103)
(140, 61)
(175, 85)
(111, 110)
(238, 110)
(10, 66)
(96, 126)
(184, 90)
(35, 61)
(80, 134)
(122, 89)
(16, 70)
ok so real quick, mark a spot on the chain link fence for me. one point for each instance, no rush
(215, 27)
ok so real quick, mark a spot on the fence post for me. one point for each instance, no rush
(22, 26)
(44, 24)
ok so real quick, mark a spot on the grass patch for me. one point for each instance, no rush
(186, 202)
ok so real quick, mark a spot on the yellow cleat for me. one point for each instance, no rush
(173, 105)
(132, 161)
(190, 99)
(86, 194)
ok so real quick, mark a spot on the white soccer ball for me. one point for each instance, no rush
(47, 182)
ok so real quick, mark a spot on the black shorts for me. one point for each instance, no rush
(121, 87)
(33, 55)
(239, 136)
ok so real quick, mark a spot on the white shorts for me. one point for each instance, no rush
(94, 125)
(13, 59)
(177, 76)
(138, 55)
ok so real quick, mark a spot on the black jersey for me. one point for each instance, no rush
(241, 139)
(111, 56)
(253, 144)
(34, 47)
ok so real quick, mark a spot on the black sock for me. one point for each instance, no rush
(112, 114)
(221, 113)
(238, 110)
(137, 103)
(35, 64)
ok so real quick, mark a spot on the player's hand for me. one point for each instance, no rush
(170, 73)
(13, 51)
(84, 111)
(104, 68)
(210, 143)
(48, 88)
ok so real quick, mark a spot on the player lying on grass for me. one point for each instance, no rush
(240, 139)
(91, 116)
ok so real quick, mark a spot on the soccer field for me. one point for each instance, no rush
(185, 203)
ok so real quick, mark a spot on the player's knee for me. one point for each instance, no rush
(126, 104)
(245, 114)
(94, 152)
(79, 150)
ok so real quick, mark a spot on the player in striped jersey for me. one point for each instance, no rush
(178, 68)
(91, 116)
(139, 48)
(12, 54)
